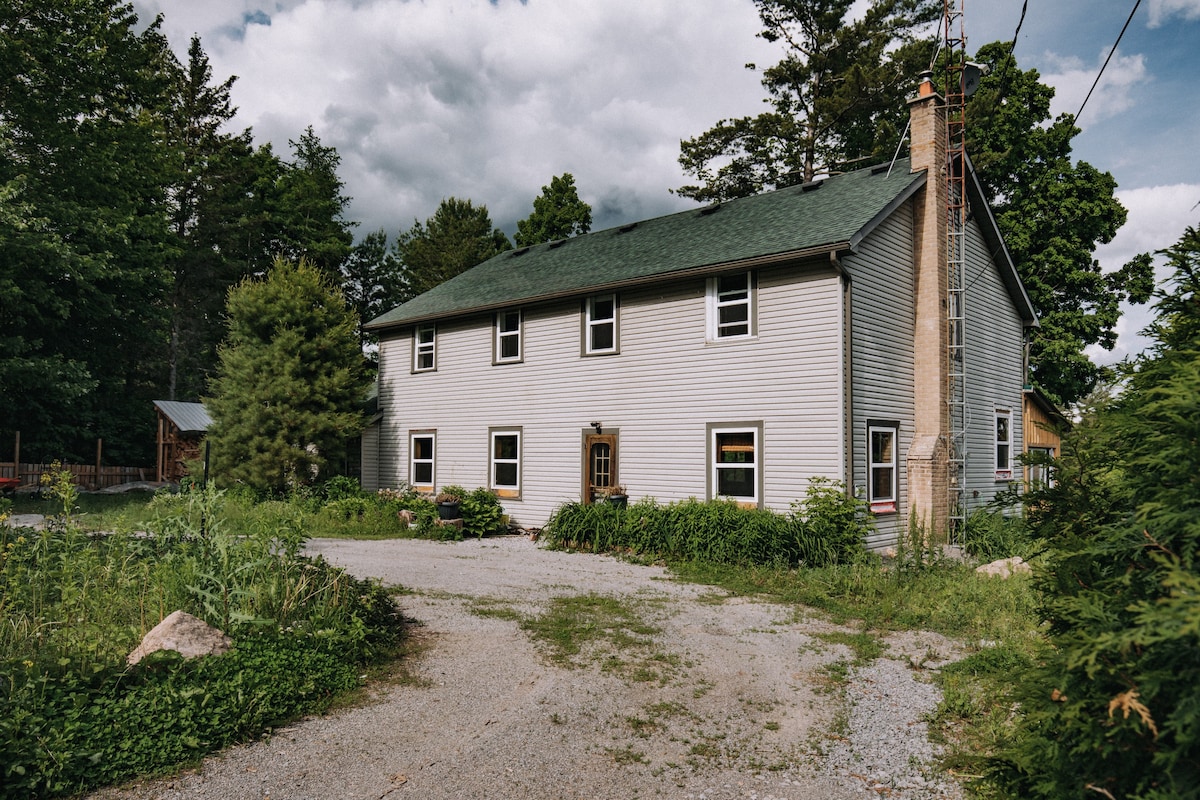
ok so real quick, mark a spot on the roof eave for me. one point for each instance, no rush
(705, 270)
(995, 241)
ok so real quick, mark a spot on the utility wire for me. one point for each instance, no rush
(1020, 22)
(1110, 55)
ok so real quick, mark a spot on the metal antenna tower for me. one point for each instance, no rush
(955, 40)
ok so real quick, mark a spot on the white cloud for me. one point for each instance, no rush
(1162, 10)
(1158, 216)
(1116, 92)
(486, 101)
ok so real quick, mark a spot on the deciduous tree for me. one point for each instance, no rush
(558, 213)
(1053, 212)
(835, 97)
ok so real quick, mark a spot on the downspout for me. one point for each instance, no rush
(847, 319)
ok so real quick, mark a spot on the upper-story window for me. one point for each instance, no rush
(425, 348)
(600, 330)
(731, 306)
(508, 337)
(1003, 444)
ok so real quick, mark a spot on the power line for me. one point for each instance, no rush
(1110, 55)
(1020, 22)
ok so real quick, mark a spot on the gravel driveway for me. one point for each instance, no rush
(730, 698)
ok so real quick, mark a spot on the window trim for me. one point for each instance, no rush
(505, 490)
(714, 304)
(499, 335)
(420, 348)
(891, 503)
(1003, 467)
(589, 323)
(713, 469)
(432, 460)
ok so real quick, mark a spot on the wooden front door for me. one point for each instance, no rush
(599, 465)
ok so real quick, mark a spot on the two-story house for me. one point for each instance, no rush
(735, 350)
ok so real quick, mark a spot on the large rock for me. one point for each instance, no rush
(187, 635)
(1005, 567)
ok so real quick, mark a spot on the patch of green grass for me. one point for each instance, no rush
(489, 608)
(572, 623)
(866, 646)
(626, 755)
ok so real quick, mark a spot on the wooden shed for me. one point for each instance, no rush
(181, 428)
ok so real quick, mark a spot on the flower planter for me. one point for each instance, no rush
(618, 500)
(449, 511)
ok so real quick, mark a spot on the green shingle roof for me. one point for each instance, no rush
(833, 213)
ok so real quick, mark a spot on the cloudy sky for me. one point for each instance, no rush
(489, 100)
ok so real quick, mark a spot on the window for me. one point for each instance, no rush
(1041, 473)
(508, 337)
(505, 462)
(735, 469)
(600, 325)
(421, 446)
(883, 467)
(1003, 444)
(731, 306)
(425, 348)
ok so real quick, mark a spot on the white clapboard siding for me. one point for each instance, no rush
(882, 353)
(659, 393)
(994, 370)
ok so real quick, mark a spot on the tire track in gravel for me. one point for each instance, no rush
(735, 707)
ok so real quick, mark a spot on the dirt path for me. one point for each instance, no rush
(728, 698)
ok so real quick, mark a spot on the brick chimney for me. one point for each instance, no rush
(928, 456)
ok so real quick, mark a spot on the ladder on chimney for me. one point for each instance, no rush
(956, 212)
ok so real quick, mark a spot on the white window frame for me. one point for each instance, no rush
(424, 348)
(718, 300)
(413, 461)
(591, 323)
(880, 503)
(503, 333)
(1002, 434)
(715, 431)
(504, 489)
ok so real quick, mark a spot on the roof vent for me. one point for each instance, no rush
(710, 208)
(878, 168)
(557, 243)
(811, 186)
(519, 252)
(627, 228)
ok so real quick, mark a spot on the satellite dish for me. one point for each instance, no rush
(972, 73)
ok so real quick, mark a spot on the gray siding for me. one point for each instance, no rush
(994, 338)
(370, 458)
(882, 353)
(659, 393)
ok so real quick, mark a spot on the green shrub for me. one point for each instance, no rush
(990, 535)
(826, 528)
(482, 513)
(73, 716)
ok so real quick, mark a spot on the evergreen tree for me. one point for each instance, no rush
(558, 213)
(84, 288)
(311, 207)
(457, 237)
(289, 391)
(371, 280)
(1114, 708)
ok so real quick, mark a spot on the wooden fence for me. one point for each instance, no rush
(87, 476)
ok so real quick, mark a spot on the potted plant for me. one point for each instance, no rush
(616, 496)
(449, 502)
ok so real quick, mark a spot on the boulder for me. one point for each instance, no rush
(1005, 567)
(187, 635)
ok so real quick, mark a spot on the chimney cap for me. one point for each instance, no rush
(925, 87)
